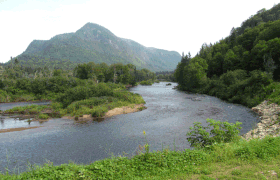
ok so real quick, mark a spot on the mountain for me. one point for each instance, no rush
(94, 43)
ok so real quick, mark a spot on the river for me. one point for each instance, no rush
(166, 120)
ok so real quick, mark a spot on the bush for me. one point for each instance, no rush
(90, 103)
(1, 84)
(56, 106)
(38, 86)
(23, 84)
(220, 136)
(12, 90)
(84, 92)
(99, 111)
(103, 90)
(149, 82)
(43, 116)
(232, 77)
(257, 81)
(4, 97)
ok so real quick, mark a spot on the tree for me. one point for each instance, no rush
(248, 38)
(82, 71)
(16, 61)
(269, 64)
(232, 38)
(195, 74)
(261, 11)
(257, 54)
(274, 51)
(217, 64)
(57, 72)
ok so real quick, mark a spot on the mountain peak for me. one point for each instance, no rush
(93, 42)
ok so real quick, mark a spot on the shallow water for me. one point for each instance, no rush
(169, 115)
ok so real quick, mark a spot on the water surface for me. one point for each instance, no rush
(169, 115)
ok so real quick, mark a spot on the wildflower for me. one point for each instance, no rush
(144, 132)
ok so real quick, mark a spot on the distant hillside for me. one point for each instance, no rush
(94, 43)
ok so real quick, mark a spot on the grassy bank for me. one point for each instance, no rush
(256, 159)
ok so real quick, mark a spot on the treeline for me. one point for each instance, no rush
(237, 68)
(166, 75)
(19, 83)
(117, 73)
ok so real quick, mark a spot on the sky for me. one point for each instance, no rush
(177, 25)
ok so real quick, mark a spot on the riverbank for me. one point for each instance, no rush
(270, 121)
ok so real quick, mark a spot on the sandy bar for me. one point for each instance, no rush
(123, 110)
(17, 129)
(113, 112)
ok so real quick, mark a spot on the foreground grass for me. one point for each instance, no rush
(255, 159)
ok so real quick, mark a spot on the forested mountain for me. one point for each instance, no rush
(94, 43)
(239, 67)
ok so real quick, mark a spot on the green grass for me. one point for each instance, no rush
(29, 109)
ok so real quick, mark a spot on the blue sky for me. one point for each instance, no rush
(177, 25)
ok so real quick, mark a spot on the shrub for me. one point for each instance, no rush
(231, 77)
(146, 82)
(43, 116)
(12, 90)
(220, 136)
(56, 105)
(23, 84)
(94, 101)
(1, 84)
(38, 86)
(99, 111)
(4, 97)
(142, 108)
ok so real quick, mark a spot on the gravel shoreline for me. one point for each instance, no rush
(269, 124)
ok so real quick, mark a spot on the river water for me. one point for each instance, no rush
(166, 121)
